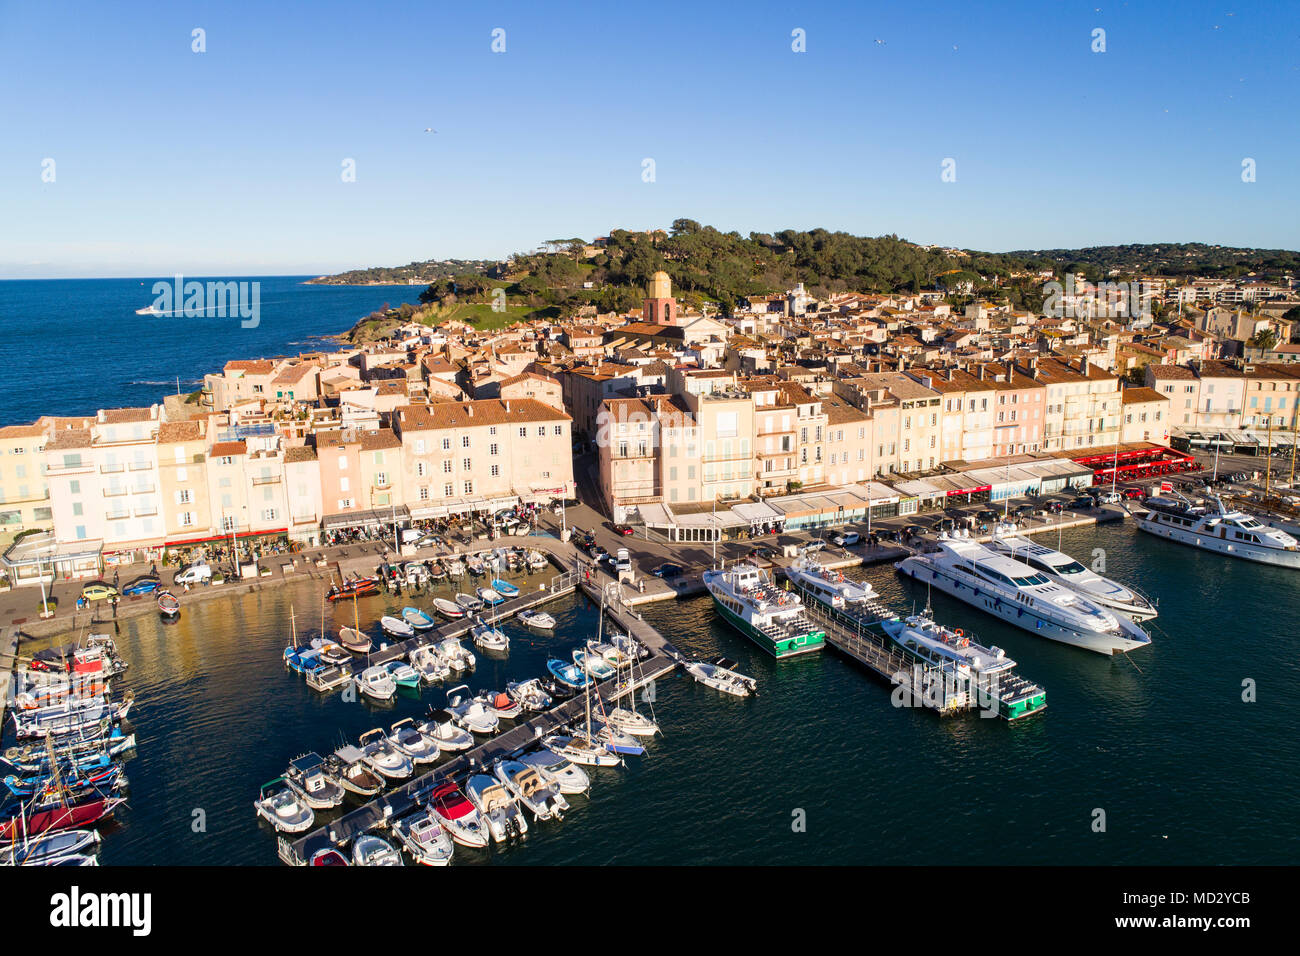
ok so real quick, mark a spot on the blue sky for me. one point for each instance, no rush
(229, 161)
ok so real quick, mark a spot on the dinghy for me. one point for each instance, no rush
(469, 603)
(537, 561)
(353, 587)
(469, 713)
(504, 588)
(424, 838)
(531, 789)
(370, 850)
(282, 808)
(558, 771)
(537, 619)
(440, 727)
(567, 674)
(458, 815)
(497, 806)
(168, 605)
(448, 609)
(396, 627)
(417, 618)
(438, 571)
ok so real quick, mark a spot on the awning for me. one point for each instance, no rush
(179, 542)
(366, 519)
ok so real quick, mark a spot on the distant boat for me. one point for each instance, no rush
(151, 310)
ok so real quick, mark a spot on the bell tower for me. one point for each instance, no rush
(660, 306)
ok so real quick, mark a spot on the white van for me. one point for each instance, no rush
(194, 574)
(624, 560)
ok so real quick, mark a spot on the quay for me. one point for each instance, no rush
(8, 664)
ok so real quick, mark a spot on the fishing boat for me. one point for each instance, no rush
(537, 561)
(580, 750)
(458, 815)
(558, 771)
(47, 785)
(417, 618)
(41, 849)
(1223, 530)
(539, 620)
(496, 805)
(829, 587)
(17, 821)
(504, 588)
(456, 568)
(370, 850)
(348, 767)
(438, 571)
(528, 786)
(280, 806)
(592, 663)
(376, 683)
(352, 587)
(440, 727)
(469, 603)
(474, 564)
(328, 856)
(396, 627)
(570, 675)
(489, 596)
(429, 664)
(470, 713)
(773, 619)
(489, 638)
(383, 758)
(448, 609)
(308, 777)
(168, 605)
(69, 718)
(409, 740)
(530, 695)
(500, 703)
(357, 641)
(89, 745)
(719, 674)
(425, 838)
(458, 657)
(403, 674)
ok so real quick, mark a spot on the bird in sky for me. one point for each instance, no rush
(430, 129)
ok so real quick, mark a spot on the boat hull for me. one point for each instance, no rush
(1234, 549)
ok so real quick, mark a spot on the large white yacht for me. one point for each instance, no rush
(1063, 569)
(1224, 530)
(1022, 596)
(828, 586)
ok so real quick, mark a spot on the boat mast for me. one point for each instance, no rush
(1268, 465)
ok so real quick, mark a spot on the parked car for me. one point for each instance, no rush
(98, 591)
(143, 585)
(1083, 501)
(761, 554)
(1023, 511)
(624, 560)
(987, 514)
(623, 529)
(667, 571)
(846, 539)
(195, 574)
(811, 546)
(1109, 498)
(1134, 493)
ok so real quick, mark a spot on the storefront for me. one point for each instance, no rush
(37, 557)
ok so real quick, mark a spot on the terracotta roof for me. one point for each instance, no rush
(70, 438)
(22, 431)
(1141, 394)
(489, 411)
(171, 432)
(121, 416)
(376, 440)
(223, 449)
(251, 366)
(299, 453)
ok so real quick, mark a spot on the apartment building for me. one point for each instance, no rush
(24, 494)
(1083, 406)
(183, 481)
(1146, 416)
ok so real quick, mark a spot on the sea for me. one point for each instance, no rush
(74, 346)
(1182, 753)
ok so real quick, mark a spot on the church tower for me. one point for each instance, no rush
(660, 306)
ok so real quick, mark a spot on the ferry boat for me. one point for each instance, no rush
(773, 619)
(828, 586)
(1063, 569)
(921, 637)
(1225, 530)
(1022, 596)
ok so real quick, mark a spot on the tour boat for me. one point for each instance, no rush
(581, 751)
(489, 638)
(353, 587)
(558, 771)
(531, 789)
(168, 606)
(376, 683)
(448, 609)
(370, 850)
(348, 767)
(537, 619)
(719, 674)
(308, 777)
(284, 809)
(425, 838)
(1063, 569)
(416, 744)
(470, 713)
(828, 586)
(496, 805)
(357, 641)
(469, 603)
(457, 656)
(417, 618)
(1018, 594)
(504, 588)
(403, 674)
(383, 758)
(1223, 530)
(41, 849)
(396, 627)
(593, 664)
(500, 703)
(429, 664)
(773, 619)
(568, 674)
(488, 596)
(458, 815)
(530, 695)
(441, 728)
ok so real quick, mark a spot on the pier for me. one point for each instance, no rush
(8, 664)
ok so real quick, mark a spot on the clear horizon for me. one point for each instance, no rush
(229, 162)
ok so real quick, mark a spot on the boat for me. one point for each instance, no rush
(98, 656)
(357, 641)
(279, 805)
(430, 665)
(537, 561)
(376, 683)
(1005, 588)
(370, 850)
(415, 574)
(530, 788)
(614, 740)
(412, 742)
(69, 717)
(500, 703)
(580, 750)
(89, 746)
(631, 722)
(151, 310)
(773, 619)
(417, 618)
(17, 822)
(1066, 571)
(382, 757)
(440, 726)
(448, 609)
(950, 649)
(469, 603)
(353, 587)
(168, 605)
(496, 805)
(41, 849)
(469, 713)
(1224, 530)
(328, 856)
(592, 663)
(308, 777)
(570, 675)
(438, 571)
(403, 674)
(348, 767)
(425, 838)
(629, 646)
(537, 619)
(488, 596)
(610, 653)
(829, 587)
(489, 638)
(504, 588)
(719, 674)
(334, 654)
(457, 656)
(474, 564)
(530, 695)
(396, 627)
(456, 568)
(558, 771)
(458, 815)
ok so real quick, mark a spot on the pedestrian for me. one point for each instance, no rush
(116, 574)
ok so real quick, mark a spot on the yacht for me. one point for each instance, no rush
(829, 587)
(1063, 569)
(1018, 594)
(772, 618)
(1224, 530)
(530, 788)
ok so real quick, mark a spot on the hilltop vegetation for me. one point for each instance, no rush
(426, 271)
(1171, 259)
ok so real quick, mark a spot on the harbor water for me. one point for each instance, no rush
(820, 768)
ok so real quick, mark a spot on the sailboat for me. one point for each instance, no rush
(353, 638)
(625, 718)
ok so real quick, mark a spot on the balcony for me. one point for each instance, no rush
(271, 480)
(111, 469)
(71, 468)
(115, 492)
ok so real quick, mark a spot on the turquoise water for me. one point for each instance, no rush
(73, 346)
(1186, 772)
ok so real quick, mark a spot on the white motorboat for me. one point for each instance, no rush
(403, 674)
(489, 638)
(537, 561)
(458, 815)
(1018, 594)
(417, 745)
(441, 727)
(309, 778)
(280, 806)
(496, 805)
(719, 675)
(448, 609)
(530, 694)
(370, 850)
(530, 788)
(382, 757)
(396, 627)
(558, 771)
(469, 603)
(1223, 530)
(349, 769)
(469, 713)
(537, 619)
(425, 838)
(375, 682)
(458, 657)
(611, 653)
(456, 567)
(1063, 569)
(581, 751)
(628, 645)
(827, 586)
(593, 663)
(38, 850)
(500, 703)
(416, 574)
(430, 665)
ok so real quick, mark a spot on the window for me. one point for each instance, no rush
(343, 462)
(559, 429)
(466, 465)
(185, 519)
(343, 484)
(268, 514)
(183, 497)
(228, 460)
(446, 467)
(496, 471)
(419, 469)
(541, 431)
(464, 441)
(523, 432)
(469, 487)
(492, 449)
(424, 494)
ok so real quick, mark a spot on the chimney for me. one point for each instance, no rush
(981, 373)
